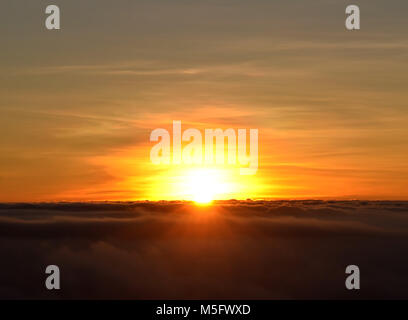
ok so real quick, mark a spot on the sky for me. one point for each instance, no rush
(77, 105)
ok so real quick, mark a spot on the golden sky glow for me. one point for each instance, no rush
(78, 105)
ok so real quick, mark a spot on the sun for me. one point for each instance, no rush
(204, 185)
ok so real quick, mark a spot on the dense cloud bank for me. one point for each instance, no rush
(232, 249)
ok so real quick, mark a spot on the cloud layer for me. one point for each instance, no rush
(233, 249)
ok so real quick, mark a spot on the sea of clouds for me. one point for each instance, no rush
(230, 250)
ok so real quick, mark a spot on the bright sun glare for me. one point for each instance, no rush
(204, 185)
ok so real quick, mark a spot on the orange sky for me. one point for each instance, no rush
(77, 105)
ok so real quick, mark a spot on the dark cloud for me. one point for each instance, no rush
(233, 249)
